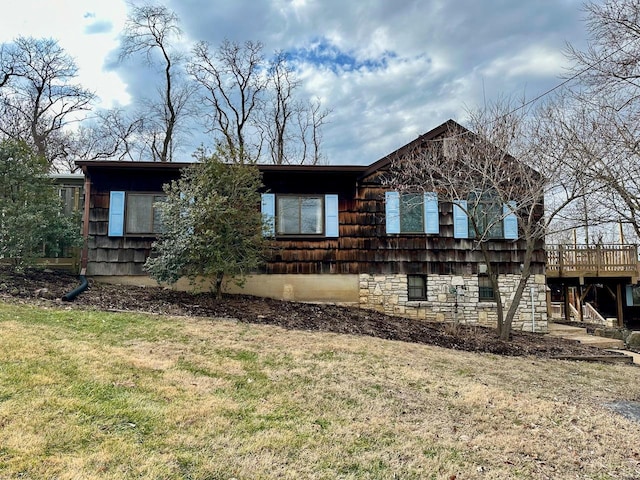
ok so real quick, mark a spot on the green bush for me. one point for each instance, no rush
(31, 215)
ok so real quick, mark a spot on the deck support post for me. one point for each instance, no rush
(619, 305)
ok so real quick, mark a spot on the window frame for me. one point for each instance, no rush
(156, 226)
(322, 215)
(491, 227)
(423, 288)
(417, 207)
(396, 210)
(484, 282)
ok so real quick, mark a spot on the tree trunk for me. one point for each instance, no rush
(217, 289)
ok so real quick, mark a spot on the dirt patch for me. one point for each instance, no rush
(48, 287)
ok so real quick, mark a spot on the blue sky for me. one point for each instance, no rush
(388, 69)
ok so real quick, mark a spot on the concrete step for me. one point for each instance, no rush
(634, 355)
(560, 330)
(600, 342)
(580, 334)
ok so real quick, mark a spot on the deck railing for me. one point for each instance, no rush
(595, 260)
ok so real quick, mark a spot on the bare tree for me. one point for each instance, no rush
(280, 113)
(257, 103)
(153, 30)
(603, 113)
(311, 119)
(9, 66)
(234, 81)
(506, 166)
(292, 126)
(38, 98)
(610, 63)
(108, 135)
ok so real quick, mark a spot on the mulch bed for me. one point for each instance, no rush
(44, 286)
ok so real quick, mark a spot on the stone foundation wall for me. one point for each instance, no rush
(452, 298)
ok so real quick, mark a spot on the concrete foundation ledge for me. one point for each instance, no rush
(342, 289)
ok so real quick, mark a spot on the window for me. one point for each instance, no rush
(633, 295)
(299, 215)
(134, 213)
(417, 287)
(485, 289)
(142, 216)
(313, 215)
(487, 216)
(488, 220)
(491, 218)
(411, 212)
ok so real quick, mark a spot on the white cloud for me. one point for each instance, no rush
(81, 27)
(532, 62)
(403, 67)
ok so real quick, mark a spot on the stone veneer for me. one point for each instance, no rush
(388, 294)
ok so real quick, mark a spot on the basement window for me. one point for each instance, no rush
(416, 287)
(485, 289)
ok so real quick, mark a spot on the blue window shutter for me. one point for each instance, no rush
(116, 214)
(460, 219)
(629, 295)
(331, 223)
(392, 211)
(268, 209)
(510, 221)
(431, 219)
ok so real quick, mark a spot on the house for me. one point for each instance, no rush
(341, 236)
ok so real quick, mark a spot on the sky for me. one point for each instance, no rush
(389, 70)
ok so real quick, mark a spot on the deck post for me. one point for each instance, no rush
(565, 295)
(619, 304)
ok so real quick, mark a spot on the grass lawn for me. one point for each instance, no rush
(87, 395)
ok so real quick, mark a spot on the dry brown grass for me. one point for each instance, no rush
(94, 395)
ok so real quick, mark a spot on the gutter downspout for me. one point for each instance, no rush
(84, 258)
(69, 297)
(85, 222)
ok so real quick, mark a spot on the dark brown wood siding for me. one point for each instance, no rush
(124, 255)
(113, 255)
(364, 246)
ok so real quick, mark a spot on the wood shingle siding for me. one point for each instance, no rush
(122, 255)
(364, 246)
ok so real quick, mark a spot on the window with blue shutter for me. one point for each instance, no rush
(116, 214)
(306, 215)
(510, 221)
(268, 209)
(412, 213)
(392, 212)
(135, 214)
(460, 219)
(331, 215)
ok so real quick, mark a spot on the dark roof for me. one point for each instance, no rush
(430, 135)
(129, 165)
(360, 171)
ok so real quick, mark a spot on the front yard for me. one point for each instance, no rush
(86, 394)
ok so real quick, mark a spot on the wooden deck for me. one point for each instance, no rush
(580, 261)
